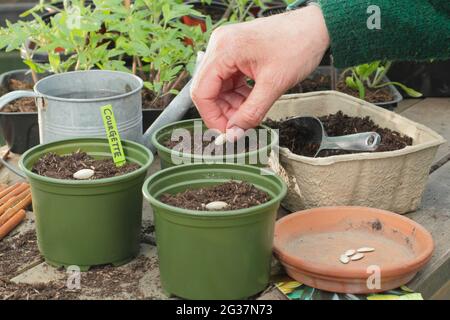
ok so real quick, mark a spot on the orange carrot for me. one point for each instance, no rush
(11, 223)
(9, 189)
(12, 201)
(12, 211)
(22, 187)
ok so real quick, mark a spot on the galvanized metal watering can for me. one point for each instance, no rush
(69, 105)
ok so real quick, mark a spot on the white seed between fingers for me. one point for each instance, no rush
(344, 259)
(83, 174)
(357, 256)
(366, 249)
(221, 139)
(350, 252)
(216, 205)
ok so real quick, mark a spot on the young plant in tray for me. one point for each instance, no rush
(371, 76)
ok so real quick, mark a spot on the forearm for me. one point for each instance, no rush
(409, 30)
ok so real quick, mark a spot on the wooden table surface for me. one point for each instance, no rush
(434, 214)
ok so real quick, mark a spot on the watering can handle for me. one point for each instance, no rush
(13, 169)
(4, 100)
(14, 95)
(366, 141)
(174, 111)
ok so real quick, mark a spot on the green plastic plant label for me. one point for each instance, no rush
(109, 121)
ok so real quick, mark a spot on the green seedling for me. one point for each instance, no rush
(370, 76)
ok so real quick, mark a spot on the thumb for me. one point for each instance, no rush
(253, 110)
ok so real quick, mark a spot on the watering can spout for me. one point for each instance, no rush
(175, 111)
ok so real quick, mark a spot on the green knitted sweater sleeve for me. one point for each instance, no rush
(409, 30)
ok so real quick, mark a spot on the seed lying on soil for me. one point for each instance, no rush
(237, 194)
(344, 259)
(216, 205)
(221, 139)
(357, 256)
(350, 252)
(83, 174)
(366, 249)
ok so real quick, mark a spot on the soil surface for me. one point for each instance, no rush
(372, 95)
(99, 282)
(17, 252)
(199, 142)
(317, 83)
(19, 105)
(237, 194)
(63, 167)
(337, 124)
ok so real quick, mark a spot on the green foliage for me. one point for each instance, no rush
(370, 76)
(146, 38)
(80, 37)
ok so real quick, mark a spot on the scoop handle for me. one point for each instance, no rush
(365, 141)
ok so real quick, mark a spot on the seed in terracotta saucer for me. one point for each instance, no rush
(350, 252)
(357, 256)
(366, 249)
(216, 205)
(344, 259)
(83, 174)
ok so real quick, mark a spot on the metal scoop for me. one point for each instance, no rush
(315, 133)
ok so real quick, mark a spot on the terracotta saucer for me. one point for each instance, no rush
(310, 242)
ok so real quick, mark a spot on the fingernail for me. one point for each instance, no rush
(234, 133)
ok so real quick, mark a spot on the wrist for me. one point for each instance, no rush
(320, 29)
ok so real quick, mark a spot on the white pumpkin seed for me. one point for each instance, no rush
(366, 249)
(350, 252)
(221, 139)
(344, 259)
(357, 256)
(216, 205)
(83, 174)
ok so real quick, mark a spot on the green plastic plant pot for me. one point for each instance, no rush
(213, 255)
(88, 222)
(171, 158)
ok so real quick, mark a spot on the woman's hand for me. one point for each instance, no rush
(277, 52)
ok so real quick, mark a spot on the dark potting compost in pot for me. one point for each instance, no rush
(237, 194)
(56, 166)
(383, 94)
(22, 104)
(198, 144)
(337, 124)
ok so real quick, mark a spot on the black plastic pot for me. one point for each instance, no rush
(19, 129)
(12, 11)
(207, 9)
(432, 79)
